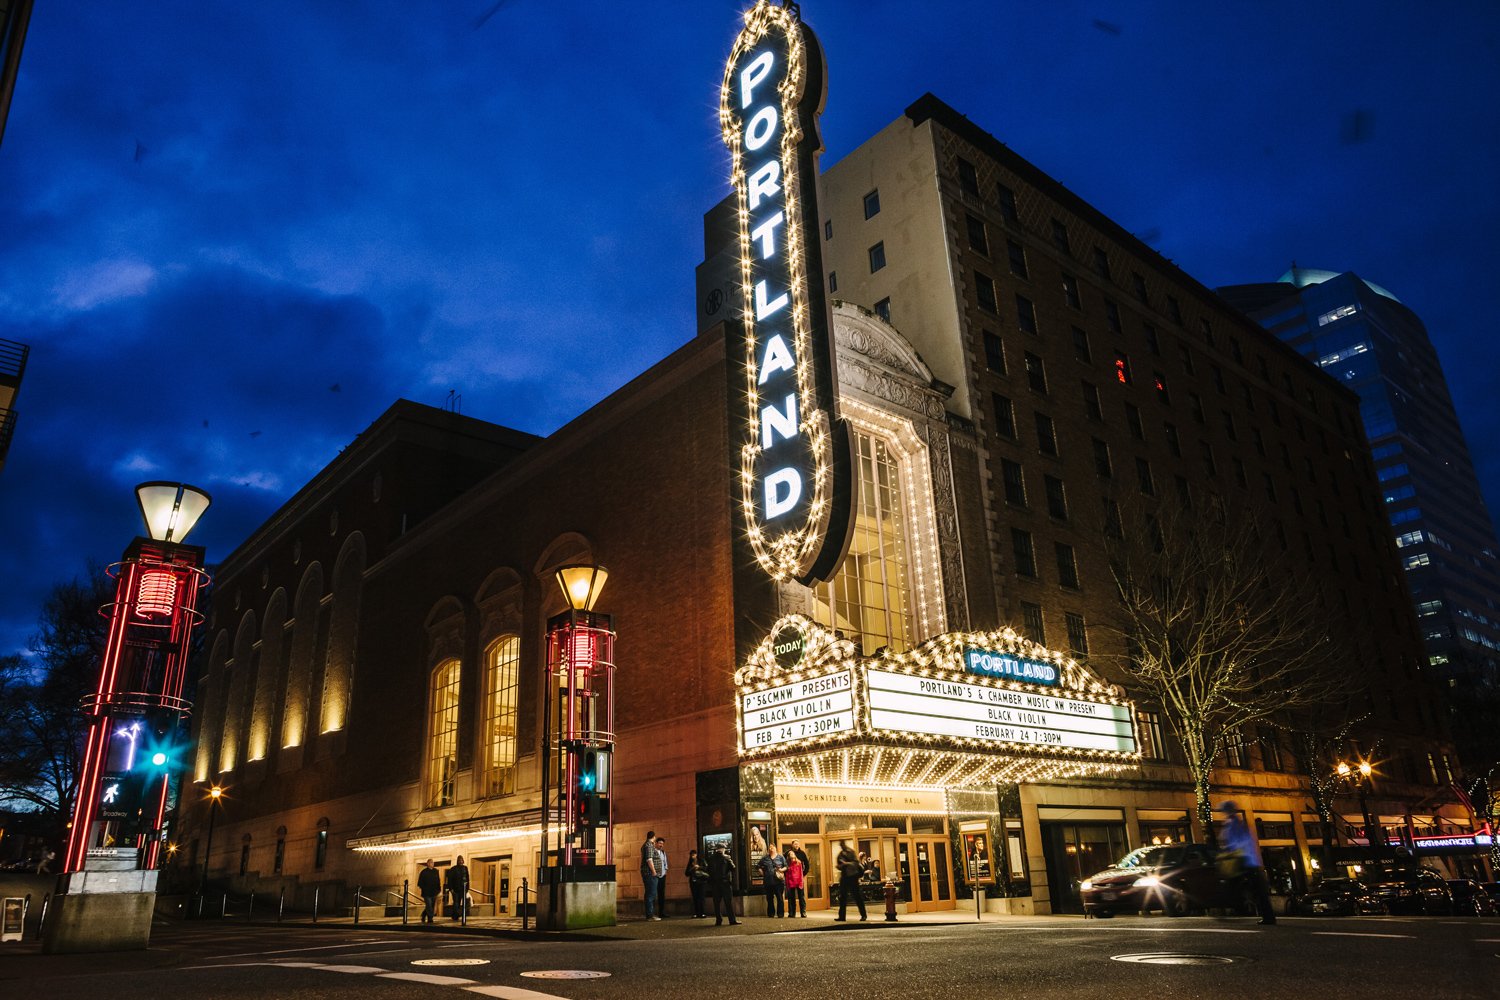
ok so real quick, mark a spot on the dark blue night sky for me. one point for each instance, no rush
(233, 233)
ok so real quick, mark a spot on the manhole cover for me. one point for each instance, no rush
(1175, 958)
(451, 961)
(566, 974)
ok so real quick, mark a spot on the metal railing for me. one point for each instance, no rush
(13, 358)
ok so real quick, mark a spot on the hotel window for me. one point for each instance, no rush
(1101, 459)
(1153, 742)
(869, 598)
(1057, 497)
(1270, 750)
(1016, 254)
(1237, 752)
(1015, 482)
(1229, 431)
(1112, 526)
(1078, 638)
(1143, 476)
(1036, 372)
(1174, 310)
(883, 309)
(1139, 283)
(1007, 203)
(1195, 404)
(1209, 466)
(877, 257)
(1020, 543)
(1025, 314)
(1218, 374)
(1208, 331)
(1070, 291)
(1081, 345)
(1187, 357)
(1091, 402)
(1174, 445)
(1005, 415)
(984, 292)
(1184, 493)
(1133, 421)
(442, 739)
(1112, 315)
(1259, 441)
(1101, 263)
(833, 281)
(994, 352)
(1122, 368)
(1060, 237)
(828, 230)
(1032, 624)
(979, 240)
(968, 177)
(1153, 342)
(872, 204)
(502, 678)
(1046, 435)
(1067, 565)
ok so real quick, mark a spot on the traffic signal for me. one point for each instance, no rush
(590, 798)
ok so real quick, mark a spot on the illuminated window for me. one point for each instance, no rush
(869, 598)
(442, 740)
(1122, 368)
(502, 677)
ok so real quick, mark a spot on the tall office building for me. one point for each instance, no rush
(1362, 335)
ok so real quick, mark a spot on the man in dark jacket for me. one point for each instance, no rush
(850, 872)
(429, 887)
(458, 885)
(721, 885)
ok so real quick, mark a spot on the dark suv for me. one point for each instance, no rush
(1175, 878)
(1409, 889)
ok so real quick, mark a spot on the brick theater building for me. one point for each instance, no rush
(1011, 366)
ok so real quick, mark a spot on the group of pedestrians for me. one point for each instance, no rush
(783, 878)
(711, 877)
(453, 886)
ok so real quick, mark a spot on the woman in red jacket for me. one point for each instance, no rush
(796, 883)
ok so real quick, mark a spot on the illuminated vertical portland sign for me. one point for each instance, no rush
(794, 462)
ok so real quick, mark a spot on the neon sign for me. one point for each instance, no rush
(992, 663)
(794, 460)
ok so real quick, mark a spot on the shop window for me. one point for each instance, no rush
(502, 677)
(1177, 830)
(869, 598)
(442, 739)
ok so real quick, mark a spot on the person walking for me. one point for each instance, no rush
(651, 872)
(772, 867)
(458, 886)
(795, 882)
(697, 875)
(850, 872)
(661, 883)
(1239, 850)
(721, 885)
(429, 887)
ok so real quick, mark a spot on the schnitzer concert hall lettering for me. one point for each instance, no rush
(793, 463)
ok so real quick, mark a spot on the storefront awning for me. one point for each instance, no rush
(962, 709)
(418, 838)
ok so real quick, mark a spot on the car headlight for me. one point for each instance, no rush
(1086, 884)
(1147, 882)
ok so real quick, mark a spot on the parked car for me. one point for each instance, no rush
(1334, 897)
(1469, 898)
(1176, 879)
(1409, 889)
(1492, 890)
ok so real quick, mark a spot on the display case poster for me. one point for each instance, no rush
(757, 836)
(978, 864)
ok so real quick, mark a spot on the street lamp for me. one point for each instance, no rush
(580, 672)
(1358, 776)
(214, 795)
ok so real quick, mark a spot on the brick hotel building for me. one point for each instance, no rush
(1013, 366)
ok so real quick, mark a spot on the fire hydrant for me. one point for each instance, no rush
(890, 901)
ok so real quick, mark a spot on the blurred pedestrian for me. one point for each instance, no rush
(429, 887)
(1239, 850)
(697, 875)
(772, 868)
(721, 885)
(795, 882)
(850, 873)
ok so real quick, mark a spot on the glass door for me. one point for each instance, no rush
(877, 849)
(931, 874)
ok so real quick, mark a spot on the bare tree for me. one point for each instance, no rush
(1220, 629)
(39, 699)
(1319, 742)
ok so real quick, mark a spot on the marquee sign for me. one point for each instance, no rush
(822, 706)
(794, 464)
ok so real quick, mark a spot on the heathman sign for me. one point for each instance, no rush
(794, 460)
(822, 706)
(904, 703)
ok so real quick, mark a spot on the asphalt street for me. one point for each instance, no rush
(1040, 957)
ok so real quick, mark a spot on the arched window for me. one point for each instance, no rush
(442, 743)
(868, 598)
(502, 676)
